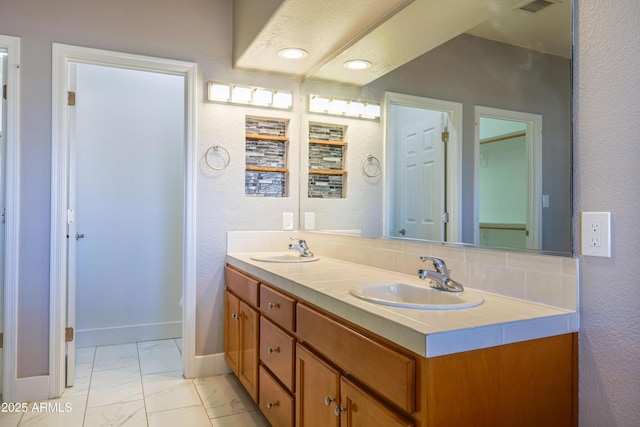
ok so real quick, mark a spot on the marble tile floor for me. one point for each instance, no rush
(140, 385)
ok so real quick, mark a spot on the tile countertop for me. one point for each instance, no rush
(429, 333)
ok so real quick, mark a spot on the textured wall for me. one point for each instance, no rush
(189, 30)
(607, 164)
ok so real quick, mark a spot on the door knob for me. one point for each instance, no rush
(79, 236)
(402, 231)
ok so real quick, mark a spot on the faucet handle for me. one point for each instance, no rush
(300, 241)
(438, 264)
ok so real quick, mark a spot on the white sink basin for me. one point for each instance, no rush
(283, 257)
(414, 296)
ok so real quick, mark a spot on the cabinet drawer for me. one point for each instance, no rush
(277, 352)
(278, 307)
(275, 403)
(243, 286)
(389, 373)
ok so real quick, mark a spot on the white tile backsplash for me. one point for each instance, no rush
(544, 279)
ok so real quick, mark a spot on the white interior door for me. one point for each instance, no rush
(126, 195)
(420, 164)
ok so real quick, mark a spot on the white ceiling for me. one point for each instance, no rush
(388, 33)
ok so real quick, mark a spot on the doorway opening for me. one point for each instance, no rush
(508, 179)
(422, 187)
(3, 144)
(9, 209)
(123, 209)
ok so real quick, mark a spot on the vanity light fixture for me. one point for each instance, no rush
(357, 64)
(219, 92)
(241, 94)
(292, 53)
(338, 106)
(249, 95)
(344, 107)
(263, 96)
(282, 99)
(355, 108)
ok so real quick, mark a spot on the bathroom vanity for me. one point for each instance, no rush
(312, 355)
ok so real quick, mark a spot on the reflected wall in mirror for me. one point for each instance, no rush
(473, 72)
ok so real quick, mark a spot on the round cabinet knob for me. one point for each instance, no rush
(328, 400)
(271, 405)
(271, 350)
(234, 316)
(338, 410)
(271, 306)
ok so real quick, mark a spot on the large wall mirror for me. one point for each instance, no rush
(473, 143)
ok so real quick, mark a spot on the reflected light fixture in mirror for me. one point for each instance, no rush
(344, 107)
(240, 94)
(357, 64)
(292, 53)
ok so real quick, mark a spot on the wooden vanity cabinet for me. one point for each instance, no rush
(323, 371)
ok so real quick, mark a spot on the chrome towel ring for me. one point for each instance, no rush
(374, 169)
(217, 148)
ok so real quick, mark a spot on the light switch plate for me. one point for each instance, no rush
(596, 234)
(287, 220)
(309, 221)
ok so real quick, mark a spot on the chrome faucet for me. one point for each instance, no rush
(440, 277)
(301, 247)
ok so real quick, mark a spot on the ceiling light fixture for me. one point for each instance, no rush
(357, 64)
(292, 53)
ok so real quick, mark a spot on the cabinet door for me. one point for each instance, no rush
(360, 409)
(248, 363)
(317, 388)
(232, 331)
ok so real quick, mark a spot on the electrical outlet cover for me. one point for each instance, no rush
(596, 234)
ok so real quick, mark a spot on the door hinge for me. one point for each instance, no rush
(71, 99)
(445, 135)
(4, 92)
(1, 340)
(445, 217)
(68, 334)
(71, 216)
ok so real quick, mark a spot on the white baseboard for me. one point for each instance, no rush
(210, 365)
(127, 334)
(31, 388)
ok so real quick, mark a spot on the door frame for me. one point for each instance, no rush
(453, 148)
(534, 179)
(12, 215)
(62, 56)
